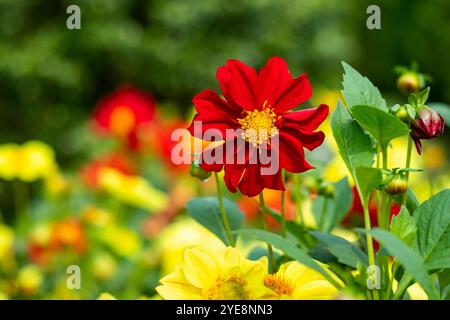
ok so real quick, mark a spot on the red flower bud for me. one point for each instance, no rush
(428, 125)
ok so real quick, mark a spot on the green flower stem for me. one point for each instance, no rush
(323, 213)
(223, 213)
(407, 165)
(378, 193)
(283, 209)
(298, 202)
(385, 210)
(264, 221)
(370, 251)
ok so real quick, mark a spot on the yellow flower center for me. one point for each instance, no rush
(259, 126)
(122, 121)
(279, 284)
(232, 288)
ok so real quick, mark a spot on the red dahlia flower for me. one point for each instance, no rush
(123, 112)
(258, 104)
(428, 125)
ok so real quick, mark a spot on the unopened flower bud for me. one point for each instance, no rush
(402, 114)
(398, 184)
(196, 171)
(428, 124)
(408, 82)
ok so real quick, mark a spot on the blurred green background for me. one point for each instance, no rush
(51, 77)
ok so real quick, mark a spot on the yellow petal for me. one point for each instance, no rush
(319, 289)
(200, 269)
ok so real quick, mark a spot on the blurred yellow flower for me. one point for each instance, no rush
(122, 241)
(6, 240)
(298, 282)
(29, 279)
(28, 162)
(56, 184)
(3, 296)
(41, 234)
(133, 190)
(103, 266)
(8, 161)
(434, 156)
(36, 160)
(106, 296)
(226, 275)
(183, 234)
(97, 216)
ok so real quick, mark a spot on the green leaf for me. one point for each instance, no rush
(355, 146)
(358, 90)
(433, 230)
(288, 248)
(444, 284)
(206, 211)
(381, 125)
(346, 252)
(422, 96)
(367, 180)
(328, 212)
(443, 109)
(410, 259)
(293, 228)
(404, 226)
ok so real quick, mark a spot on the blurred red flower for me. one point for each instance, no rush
(258, 104)
(355, 216)
(90, 172)
(70, 234)
(157, 139)
(123, 113)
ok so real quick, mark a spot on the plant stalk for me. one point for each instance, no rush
(223, 214)
(264, 221)
(370, 251)
(283, 209)
(407, 165)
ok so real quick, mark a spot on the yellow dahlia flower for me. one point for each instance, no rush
(184, 234)
(225, 275)
(298, 282)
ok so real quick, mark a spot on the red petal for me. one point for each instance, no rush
(210, 102)
(208, 123)
(296, 92)
(292, 156)
(243, 84)
(418, 145)
(218, 162)
(252, 183)
(233, 175)
(275, 181)
(309, 140)
(273, 77)
(308, 119)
